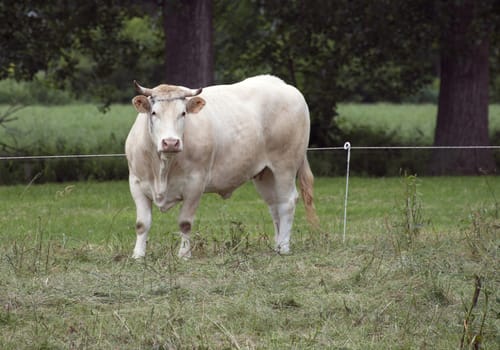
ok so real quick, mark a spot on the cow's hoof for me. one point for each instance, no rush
(138, 256)
(185, 249)
(283, 250)
(184, 255)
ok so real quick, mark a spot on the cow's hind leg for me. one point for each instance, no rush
(288, 195)
(143, 219)
(265, 184)
(281, 195)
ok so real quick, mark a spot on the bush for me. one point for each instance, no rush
(36, 92)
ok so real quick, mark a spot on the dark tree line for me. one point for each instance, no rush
(332, 50)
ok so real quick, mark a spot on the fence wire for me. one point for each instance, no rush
(310, 149)
(346, 147)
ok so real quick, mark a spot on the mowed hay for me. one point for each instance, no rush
(67, 279)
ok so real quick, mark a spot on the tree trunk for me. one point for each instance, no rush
(462, 118)
(188, 42)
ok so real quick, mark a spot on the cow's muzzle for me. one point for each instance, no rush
(171, 145)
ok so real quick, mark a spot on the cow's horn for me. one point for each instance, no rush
(142, 90)
(193, 92)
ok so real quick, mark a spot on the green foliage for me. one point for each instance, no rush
(37, 33)
(139, 57)
(93, 49)
(332, 51)
(65, 267)
(38, 91)
(361, 51)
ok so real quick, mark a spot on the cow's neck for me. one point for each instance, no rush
(160, 184)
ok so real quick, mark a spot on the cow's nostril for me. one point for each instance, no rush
(171, 145)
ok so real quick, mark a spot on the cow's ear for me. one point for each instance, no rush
(141, 104)
(195, 104)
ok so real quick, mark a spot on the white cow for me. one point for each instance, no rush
(186, 142)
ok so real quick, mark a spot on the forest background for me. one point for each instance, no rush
(440, 52)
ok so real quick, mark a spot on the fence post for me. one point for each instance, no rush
(347, 147)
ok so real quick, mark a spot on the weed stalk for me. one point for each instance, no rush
(410, 211)
(471, 339)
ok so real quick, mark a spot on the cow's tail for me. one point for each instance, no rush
(306, 182)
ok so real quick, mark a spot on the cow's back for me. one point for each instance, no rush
(257, 123)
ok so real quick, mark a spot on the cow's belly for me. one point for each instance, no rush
(228, 176)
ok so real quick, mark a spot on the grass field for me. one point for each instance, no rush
(409, 123)
(70, 128)
(403, 279)
(81, 127)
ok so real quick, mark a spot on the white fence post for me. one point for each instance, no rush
(347, 147)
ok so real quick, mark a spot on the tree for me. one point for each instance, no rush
(332, 50)
(36, 34)
(188, 43)
(462, 118)
(82, 45)
(77, 45)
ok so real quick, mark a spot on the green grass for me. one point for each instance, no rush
(66, 279)
(82, 126)
(82, 129)
(409, 123)
(69, 128)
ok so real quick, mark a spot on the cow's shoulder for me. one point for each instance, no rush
(138, 149)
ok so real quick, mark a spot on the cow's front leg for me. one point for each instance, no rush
(185, 248)
(186, 218)
(143, 219)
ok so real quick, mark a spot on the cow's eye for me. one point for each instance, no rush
(153, 113)
(183, 114)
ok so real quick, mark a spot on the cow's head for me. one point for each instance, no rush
(167, 106)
